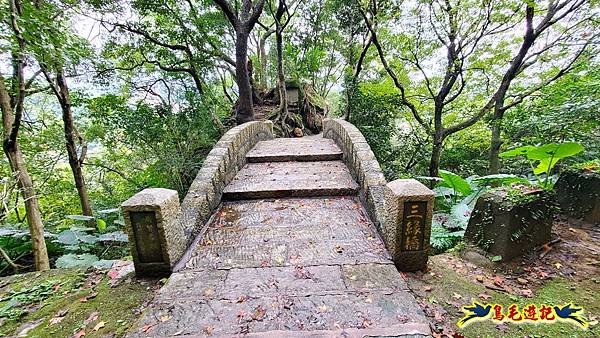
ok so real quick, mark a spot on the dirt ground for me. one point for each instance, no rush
(567, 271)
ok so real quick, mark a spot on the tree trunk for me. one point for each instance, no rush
(12, 112)
(70, 139)
(495, 144)
(32, 208)
(436, 155)
(283, 103)
(244, 109)
(263, 58)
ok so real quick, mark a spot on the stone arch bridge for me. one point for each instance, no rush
(280, 237)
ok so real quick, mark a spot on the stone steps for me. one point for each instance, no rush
(295, 149)
(287, 268)
(291, 179)
(279, 264)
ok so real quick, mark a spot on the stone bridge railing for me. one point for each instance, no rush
(160, 230)
(401, 210)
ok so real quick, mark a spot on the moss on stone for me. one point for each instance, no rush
(592, 166)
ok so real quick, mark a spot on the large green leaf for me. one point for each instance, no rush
(75, 237)
(76, 261)
(116, 236)
(80, 217)
(459, 184)
(550, 154)
(520, 151)
(555, 150)
(101, 224)
(498, 178)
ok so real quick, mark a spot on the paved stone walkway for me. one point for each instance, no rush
(272, 264)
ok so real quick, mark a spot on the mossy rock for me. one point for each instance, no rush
(508, 223)
(578, 194)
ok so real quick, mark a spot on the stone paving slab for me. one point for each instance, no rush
(295, 149)
(289, 232)
(393, 313)
(291, 179)
(287, 267)
(339, 282)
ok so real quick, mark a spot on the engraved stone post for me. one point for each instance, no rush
(156, 235)
(410, 208)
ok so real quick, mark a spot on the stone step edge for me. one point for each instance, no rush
(251, 158)
(289, 193)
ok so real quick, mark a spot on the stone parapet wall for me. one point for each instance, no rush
(160, 230)
(221, 165)
(363, 166)
(405, 234)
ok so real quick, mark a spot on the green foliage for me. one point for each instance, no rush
(373, 111)
(76, 261)
(546, 156)
(78, 246)
(588, 166)
(457, 183)
(15, 301)
(455, 199)
(566, 110)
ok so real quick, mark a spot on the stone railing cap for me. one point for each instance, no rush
(409, 187)
(150, 197)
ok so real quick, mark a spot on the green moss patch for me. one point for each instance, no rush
(65, 302)
(446, 288)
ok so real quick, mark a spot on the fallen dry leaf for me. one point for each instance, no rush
(164, 318)
(147, 328)
(484, 296)
(259, 313)
(438, 316)
(99, 326)
(427, 288)
(208, 330)
(456, 296)
(557, 265)
(498, 281)
(92, 295)
(60, 315)
(55, 320)
(502, 327)
(527, 293)
(241, 315)
(522, 281)
(323, 308)
(91, 318)
(79, 334)
(479, 278)
(402, 318)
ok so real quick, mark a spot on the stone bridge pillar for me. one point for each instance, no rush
(410, 210)
(156, 235)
